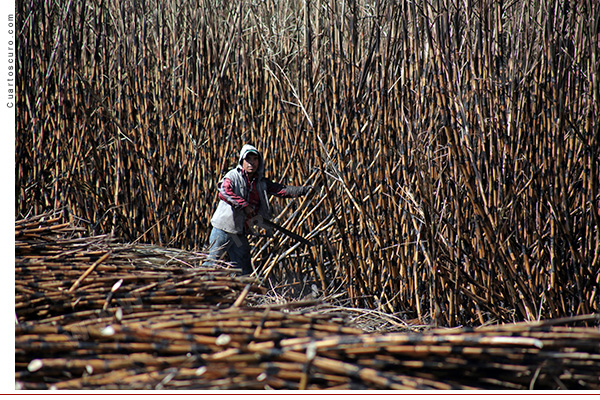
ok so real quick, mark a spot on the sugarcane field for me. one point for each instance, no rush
(325, 195)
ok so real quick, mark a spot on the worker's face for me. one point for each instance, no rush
(250, 163)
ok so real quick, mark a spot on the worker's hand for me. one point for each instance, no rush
(296, 191)
(250, 211)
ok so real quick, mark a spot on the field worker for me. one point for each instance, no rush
(243, 203)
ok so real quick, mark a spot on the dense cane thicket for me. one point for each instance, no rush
(453, 145)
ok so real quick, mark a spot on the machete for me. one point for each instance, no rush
(287, 232)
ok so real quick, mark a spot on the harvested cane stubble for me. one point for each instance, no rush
(145, 317)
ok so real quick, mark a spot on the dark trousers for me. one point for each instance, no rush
(235, 246)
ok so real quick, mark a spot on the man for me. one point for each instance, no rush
(243, 201)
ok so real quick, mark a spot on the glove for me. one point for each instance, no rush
(296, 191)
(250, 211)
